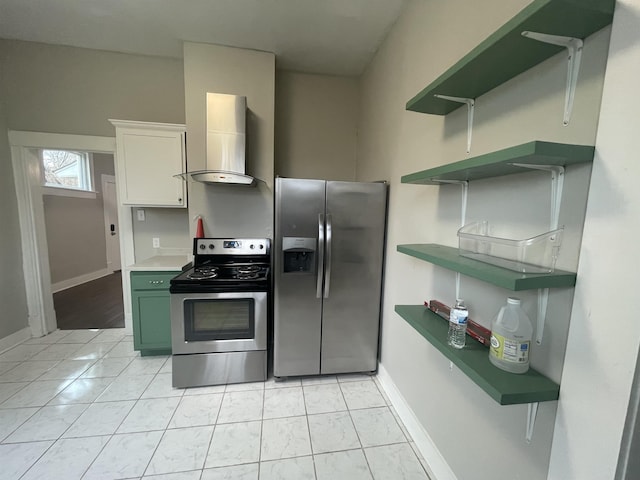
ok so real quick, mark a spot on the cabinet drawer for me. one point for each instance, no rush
(151, 280)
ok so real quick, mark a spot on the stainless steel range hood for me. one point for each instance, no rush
(226, 131)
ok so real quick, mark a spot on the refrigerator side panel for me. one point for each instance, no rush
(299, 209)
(356, 216)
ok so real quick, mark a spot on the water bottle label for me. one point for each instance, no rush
(459, 317)
(509, 349)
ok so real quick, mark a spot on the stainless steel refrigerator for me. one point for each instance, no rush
(328, 261)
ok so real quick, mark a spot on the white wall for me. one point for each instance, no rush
(427, 39)
(316, 126)
(170, 225)
(605, 332)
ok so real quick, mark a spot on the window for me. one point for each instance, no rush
(66, 169)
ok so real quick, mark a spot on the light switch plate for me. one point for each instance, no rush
(140, 215)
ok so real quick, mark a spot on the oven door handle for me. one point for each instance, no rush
(327, 267)
(320, 254)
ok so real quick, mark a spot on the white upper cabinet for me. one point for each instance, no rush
(148, 157)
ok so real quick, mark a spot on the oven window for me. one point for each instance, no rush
(223, 319)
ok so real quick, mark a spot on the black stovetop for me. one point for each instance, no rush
(237, 265)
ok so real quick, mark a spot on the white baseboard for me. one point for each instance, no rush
(15, 338)
(437, 467)
(74, 282)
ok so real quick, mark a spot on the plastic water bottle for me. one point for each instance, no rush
(511, 333)
(457, 336)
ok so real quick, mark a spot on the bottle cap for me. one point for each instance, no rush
(513, 301)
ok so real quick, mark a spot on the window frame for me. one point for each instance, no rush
(87, 171)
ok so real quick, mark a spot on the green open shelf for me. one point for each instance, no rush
(449, 258)
(506, 53)
(500, 163)
(505, 388)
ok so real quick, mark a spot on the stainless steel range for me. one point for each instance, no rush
(219, 313)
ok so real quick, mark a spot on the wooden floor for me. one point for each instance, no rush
(96, 304)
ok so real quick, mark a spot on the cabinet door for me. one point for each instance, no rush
(151, 321)
(148, 159)
(151, 312)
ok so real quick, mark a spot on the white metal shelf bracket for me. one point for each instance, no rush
(557, 185)
(463, 215)
(470, 107)
(532, 413)
(574, 49)
(543, 300)
(465, 195)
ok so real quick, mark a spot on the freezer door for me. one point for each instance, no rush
(356, 222)
(298, 271)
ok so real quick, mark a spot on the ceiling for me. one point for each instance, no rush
(337, 37)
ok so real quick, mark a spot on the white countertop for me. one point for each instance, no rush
(161, 262)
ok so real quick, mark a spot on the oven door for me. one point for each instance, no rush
(218, 322)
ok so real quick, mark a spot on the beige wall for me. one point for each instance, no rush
(75, 229)
(58, 89)
(231, 210)
(12, 291)
(71, 90)
(316, 126)
(478, 438)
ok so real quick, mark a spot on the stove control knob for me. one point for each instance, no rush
(202, 246)
(252, 246)
(261, 246)
(212, 246)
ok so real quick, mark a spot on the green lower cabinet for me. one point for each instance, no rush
(150, 299)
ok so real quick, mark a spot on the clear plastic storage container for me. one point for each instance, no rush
(530, 255)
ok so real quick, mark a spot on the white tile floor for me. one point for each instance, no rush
(83, 404)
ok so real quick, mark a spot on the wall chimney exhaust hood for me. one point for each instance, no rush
(226, 131)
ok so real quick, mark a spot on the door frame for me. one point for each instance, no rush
(104, 179)
(28, 184)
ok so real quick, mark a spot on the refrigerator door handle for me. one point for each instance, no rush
(320, 254)
(327, 268)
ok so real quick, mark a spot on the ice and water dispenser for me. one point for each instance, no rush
(299, 254)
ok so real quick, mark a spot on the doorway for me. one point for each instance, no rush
(28, 180)
(111, 229)
(82, 238)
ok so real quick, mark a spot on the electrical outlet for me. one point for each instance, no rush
(156, 242)
(140, 215)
